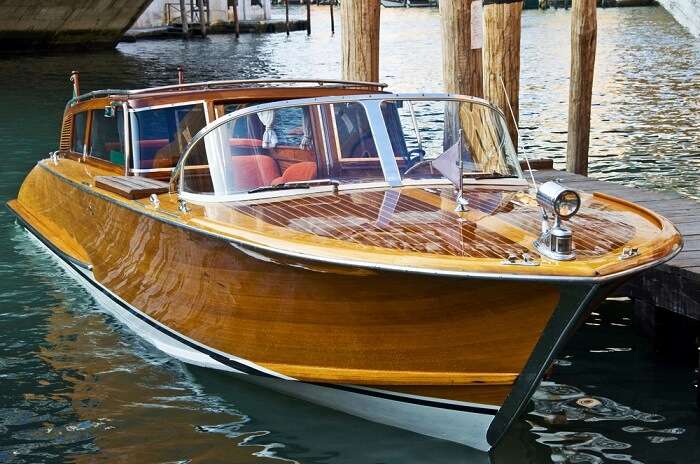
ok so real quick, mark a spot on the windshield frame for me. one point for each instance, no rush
(371, 103)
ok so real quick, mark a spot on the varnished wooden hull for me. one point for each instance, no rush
(437, 355)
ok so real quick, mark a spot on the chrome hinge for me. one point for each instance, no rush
(628, 253)
(155, 201)
(526, 259)
(182, 206)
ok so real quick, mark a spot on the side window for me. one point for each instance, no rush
(354, 134)
(79, 122)
(291, 129)
(162, 134)
(107, 136)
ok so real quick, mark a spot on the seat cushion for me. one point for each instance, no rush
(298, 172)
(252, 171)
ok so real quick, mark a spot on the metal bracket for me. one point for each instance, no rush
(628, 253)
(525, 260)
(182, 206)
(154, 201)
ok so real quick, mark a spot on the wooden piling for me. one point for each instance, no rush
(202, 18)
(461, 58)
(183, 19)
(502, 22)
(583, 47)
(236, 23)
(360, 39)
(308, 17)
(330, 3)
(286, 16)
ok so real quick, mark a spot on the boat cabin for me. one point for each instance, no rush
(234, 140)
(144, 132)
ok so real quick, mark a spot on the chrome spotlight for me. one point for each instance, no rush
(558, 202)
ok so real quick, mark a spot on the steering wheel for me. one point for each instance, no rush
(355, 150)
(417, 165)
(414, 156)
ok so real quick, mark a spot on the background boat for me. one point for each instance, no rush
(409, 3)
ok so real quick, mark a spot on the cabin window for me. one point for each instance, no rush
(107, 136)
(79, 123)
(161, 134)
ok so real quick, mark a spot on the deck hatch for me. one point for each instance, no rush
(131, 187)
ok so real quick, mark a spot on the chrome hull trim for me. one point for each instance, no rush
(459, 422)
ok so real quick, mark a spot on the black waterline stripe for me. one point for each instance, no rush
(243, 367)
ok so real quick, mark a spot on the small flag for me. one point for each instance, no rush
(449, 164)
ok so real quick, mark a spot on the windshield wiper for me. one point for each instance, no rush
(283, 186)
(295, 185)
(495, 175)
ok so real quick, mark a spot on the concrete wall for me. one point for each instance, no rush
(75, 24)
(686, 12)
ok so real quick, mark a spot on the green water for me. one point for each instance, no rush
(76, 386)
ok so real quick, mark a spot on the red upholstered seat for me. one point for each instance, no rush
(298, 172)
(253, 171)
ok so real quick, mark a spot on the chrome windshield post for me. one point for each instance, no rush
(382, 141)
(127, 137)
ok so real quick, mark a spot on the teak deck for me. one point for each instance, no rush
(675, 285)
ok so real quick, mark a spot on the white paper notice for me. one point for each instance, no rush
(477, 26)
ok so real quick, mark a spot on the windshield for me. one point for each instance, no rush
(338, 141)
(422, 131)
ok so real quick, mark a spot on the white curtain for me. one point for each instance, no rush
(306, 139)
(219, 158)
(269, 137)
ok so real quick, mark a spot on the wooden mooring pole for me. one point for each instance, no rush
(183, 19)
(330, 3)
(502, 21)
(202, 18)
(286, 16)
(236, 23)
(583, 46)
(461, 46)
(360, 39)
(308, 17)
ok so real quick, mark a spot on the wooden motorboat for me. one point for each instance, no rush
(380, 254)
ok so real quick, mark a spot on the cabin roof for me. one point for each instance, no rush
(228, 90)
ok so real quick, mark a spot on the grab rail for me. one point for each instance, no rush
(207, 85)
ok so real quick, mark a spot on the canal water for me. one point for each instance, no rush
(76, 386)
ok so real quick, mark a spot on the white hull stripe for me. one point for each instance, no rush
(237, 365)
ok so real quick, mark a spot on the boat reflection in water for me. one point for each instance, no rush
(308, 238)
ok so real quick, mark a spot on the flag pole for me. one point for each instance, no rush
(461, 202)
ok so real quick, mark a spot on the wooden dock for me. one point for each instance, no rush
(673, 286)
